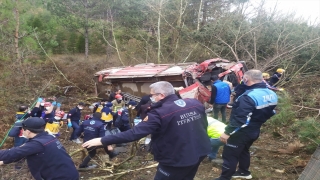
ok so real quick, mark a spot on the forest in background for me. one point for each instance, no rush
(48, 46)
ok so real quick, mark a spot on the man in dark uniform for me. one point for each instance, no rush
(179, 133)
(73, 117)
(92, 129)
(46, 157)
(249, 112)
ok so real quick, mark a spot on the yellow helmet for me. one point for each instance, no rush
(265, 75)
(280, 70)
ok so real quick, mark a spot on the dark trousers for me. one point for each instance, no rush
(219, 108)
(91, 154)
(177, 173)
(237, 151)
(75, 127)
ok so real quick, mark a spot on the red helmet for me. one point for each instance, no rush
(118, 96)
(59, 114)
(47, 104)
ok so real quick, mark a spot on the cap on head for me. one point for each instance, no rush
(81, 104)
(59, 114)
(266, 75)
(109, 104)
(22, 108)
(118, 96)
(34, 124)
(280, 70)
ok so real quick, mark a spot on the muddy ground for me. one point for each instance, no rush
(270, 160)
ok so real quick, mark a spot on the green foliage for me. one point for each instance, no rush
(80, 44)
(285, 113)
(308, 130)
(72, 42)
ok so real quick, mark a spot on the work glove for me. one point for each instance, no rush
(54, 103)
(69, 125)
(281, 89)
(58, 104)
(40, 100)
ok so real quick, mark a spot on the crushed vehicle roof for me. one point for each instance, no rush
(144, 70)
(158, 70)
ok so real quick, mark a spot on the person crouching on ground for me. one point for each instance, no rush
(179, 133)
(91, 129)
(46, 157)
(215, 129)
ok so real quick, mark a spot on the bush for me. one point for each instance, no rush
(308, 131)
(285, 114)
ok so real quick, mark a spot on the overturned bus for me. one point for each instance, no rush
(191, 80)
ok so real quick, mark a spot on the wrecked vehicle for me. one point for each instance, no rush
(191, 80)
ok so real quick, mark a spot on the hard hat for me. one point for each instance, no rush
(47, 104)
(280, 70)
(118, 96)
(266, 75)
(59, 114)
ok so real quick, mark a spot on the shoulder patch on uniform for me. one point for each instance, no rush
(146, 118)
(92, 122)
(180, 103)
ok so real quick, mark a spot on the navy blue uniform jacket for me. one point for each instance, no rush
(91, 128)
(258, 100)
(46, 157)
(74, 114)
(178, 128)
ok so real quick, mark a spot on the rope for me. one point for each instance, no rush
(6, 136)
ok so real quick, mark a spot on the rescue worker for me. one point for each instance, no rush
(93, 128)
(220, 97)
(118, 103)
(179, 133)
(112, 96)
(249, 112)
(266, 78)
(16, 131)
(73, 119)
(40, 108)
(48, 113)
(123, 119)
(276, 77)
(46, 157)
(107, 114)
(99, 105)
(215, 129)
(144, 100)
(21, 115)
(54, 126)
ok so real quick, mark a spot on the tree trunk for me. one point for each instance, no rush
(16, 34)
(86, 30)
(204, 13)
(159, 42)
(199, 12)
